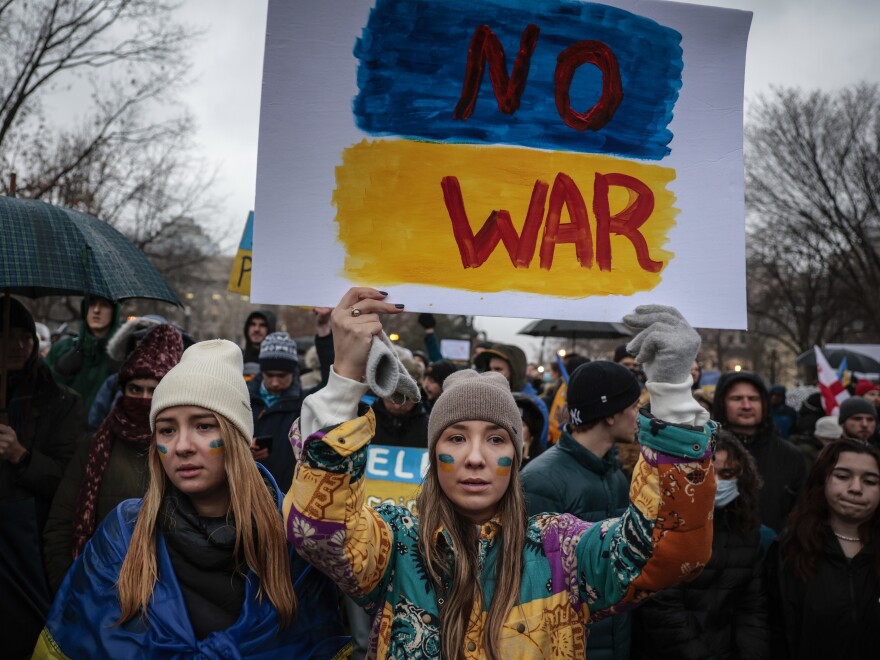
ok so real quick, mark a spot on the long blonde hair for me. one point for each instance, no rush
(258, 531)
(437, 512)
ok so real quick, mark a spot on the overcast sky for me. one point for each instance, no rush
(806, 43)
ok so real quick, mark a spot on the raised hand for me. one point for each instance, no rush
(355, 321)
(666, 345)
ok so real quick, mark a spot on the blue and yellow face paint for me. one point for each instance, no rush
(445, 462)
(163, 450)
(504, 464)
(216, 447)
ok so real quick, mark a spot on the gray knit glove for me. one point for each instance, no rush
(386, 375)
(666, 345)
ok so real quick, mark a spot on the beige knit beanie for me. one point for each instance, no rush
(467, 396)
(208, 375)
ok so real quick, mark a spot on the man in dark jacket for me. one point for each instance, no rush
(276, 401)
(742, 407)
(43, 424)
(257, 326)
(579, 474)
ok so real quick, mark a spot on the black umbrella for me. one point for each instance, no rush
(576, 329)
(49, 250)
(855, 361)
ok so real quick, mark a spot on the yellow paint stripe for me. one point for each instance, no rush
(395, 227)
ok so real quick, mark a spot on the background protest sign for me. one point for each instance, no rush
(535, 158)
(240, 274)
(394, 475)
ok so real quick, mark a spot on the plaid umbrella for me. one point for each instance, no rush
(48, 250)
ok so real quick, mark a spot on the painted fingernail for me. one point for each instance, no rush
(384, 293)
(399, 306)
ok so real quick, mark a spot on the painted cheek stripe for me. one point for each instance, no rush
(504, 464)
(447, 462)
(216, 446)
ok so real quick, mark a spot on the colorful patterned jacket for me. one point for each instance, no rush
(574, 571)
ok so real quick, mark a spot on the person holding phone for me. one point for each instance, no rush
(277, 396)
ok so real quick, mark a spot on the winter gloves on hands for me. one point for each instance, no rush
(386, 375)
(666, 345)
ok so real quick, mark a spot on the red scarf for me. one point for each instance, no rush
(128, 421)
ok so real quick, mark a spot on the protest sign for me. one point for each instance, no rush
(394, 475)
(535, 158)
(240, 275)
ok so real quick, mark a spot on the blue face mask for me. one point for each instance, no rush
(727, 491)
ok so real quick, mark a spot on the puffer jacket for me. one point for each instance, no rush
(573, 570)
(568, 478)
(721, 615)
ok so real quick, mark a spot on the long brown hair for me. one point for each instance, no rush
(802, 542)
(436, 512)
(749, 482)
(258, 532)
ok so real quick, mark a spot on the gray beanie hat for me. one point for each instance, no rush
(278, 353)
(209, 375)
(855, 405)
(467, 396)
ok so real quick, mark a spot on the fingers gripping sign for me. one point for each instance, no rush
(355, 321)
(666, 344)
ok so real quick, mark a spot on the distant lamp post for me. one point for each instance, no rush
(737, 367)
(561, 352)
(394, 336)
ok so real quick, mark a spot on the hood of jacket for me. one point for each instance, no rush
(266, 315)
(730, 378)
(513, 355)
(118, 346)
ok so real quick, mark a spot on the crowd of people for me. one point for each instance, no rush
(166, 497)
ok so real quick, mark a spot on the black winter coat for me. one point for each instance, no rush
(277, 420)
(568, 478)
(721, 615)
(407, 430)
(781, 465)
(836, 614)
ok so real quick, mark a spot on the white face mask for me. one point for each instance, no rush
(727, 491)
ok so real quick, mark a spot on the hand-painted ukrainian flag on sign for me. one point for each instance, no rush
(552, 156)
(240, 275)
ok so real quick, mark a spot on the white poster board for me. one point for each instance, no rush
(533, 158)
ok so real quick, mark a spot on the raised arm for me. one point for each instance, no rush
(665, 536)
(326, 518)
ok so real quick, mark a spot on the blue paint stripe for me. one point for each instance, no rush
(412, 56)
(401, 464)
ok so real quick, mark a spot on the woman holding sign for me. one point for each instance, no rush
(199, 566)
(472, 575)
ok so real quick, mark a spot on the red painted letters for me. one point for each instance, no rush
(476, 249)
(485, 46)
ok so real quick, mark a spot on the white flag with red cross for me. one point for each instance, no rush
(832, 390)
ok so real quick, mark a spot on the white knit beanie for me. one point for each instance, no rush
(209, 375)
